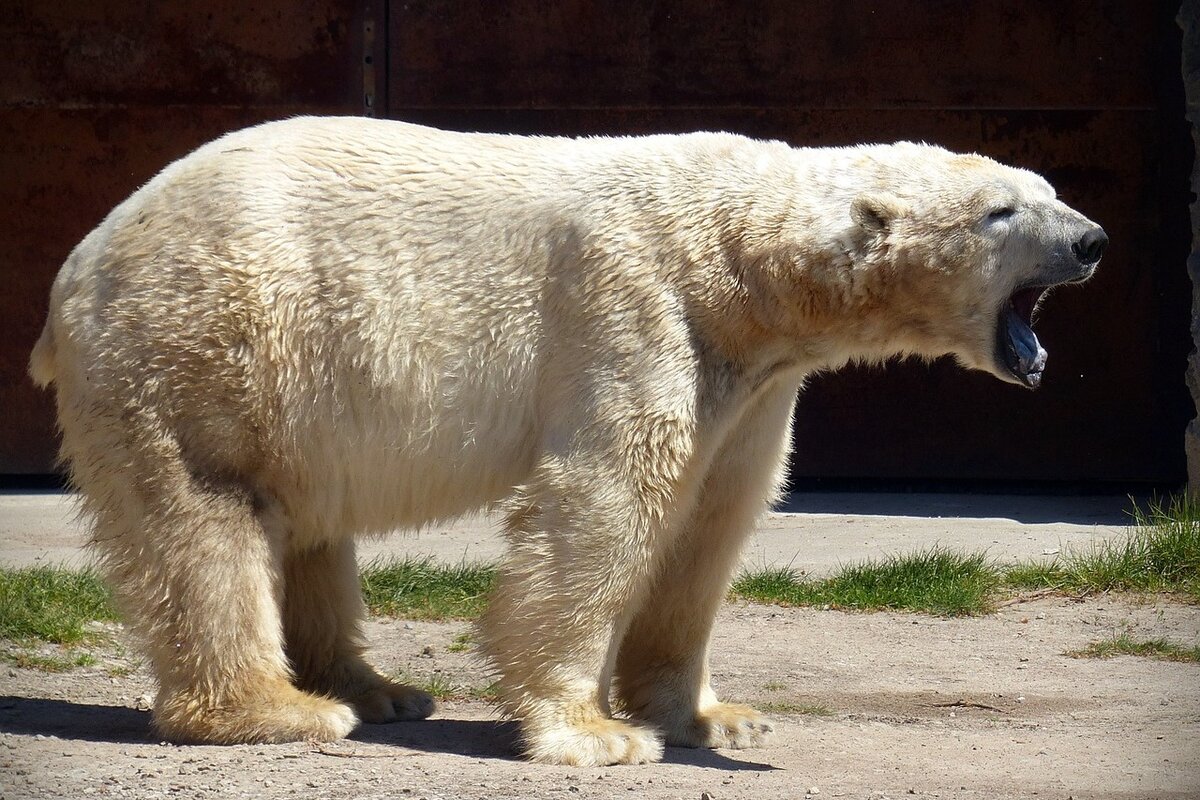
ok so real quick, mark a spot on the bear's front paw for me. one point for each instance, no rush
(723, 725)
(591, 743)
(390, 702)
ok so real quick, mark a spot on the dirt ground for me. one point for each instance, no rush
(866, 706)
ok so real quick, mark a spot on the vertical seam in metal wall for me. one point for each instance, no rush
(374, 59)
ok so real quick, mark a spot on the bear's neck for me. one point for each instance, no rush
(778, 269)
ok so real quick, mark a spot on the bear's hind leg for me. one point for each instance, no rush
(662, 667)
(323, 610)
(199, 577)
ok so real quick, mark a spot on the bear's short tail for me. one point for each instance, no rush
(42, 361)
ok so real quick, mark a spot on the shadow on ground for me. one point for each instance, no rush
(472, 738)
(81, 721)
(495, 739)
(1026, 509)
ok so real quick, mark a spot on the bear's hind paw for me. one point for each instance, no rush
(592, 743)
(723, 725)
(391, 702)
(264, 715)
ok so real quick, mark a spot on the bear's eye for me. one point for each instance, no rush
(1001, 214)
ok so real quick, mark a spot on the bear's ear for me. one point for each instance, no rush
(875, 211)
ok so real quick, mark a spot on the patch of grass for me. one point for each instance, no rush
(441, 687)
(438, 685)
(1161, 553)
(422, 589)
(27, 659)
(461, 644)
(51, 604)
(1043, 575)
(489, 692)
(784, 707)
(1126, 645)
(935, 581)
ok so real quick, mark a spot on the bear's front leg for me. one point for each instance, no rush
(662, 669)
(584, 542)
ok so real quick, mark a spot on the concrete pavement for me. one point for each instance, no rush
(814, 532)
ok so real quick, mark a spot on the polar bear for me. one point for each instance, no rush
(325, 328)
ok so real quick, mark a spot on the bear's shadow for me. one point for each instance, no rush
(77, 721)
(496, 739)
(473, 738)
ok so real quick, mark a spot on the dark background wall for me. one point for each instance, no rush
(99, 95)
(96, 96)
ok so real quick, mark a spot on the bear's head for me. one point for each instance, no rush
(971, 247)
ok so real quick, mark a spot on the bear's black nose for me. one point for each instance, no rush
(1090, 248)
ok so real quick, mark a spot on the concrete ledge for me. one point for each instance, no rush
(814, 532)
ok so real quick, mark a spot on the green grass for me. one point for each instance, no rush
(51, 604)
(935, 581)
(1126, 645)
(443, 688)
(26, 659)
(421, 589)
(462, 643)
(784, 707)
(1160, 554)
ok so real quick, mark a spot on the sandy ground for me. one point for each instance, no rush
(866, 705)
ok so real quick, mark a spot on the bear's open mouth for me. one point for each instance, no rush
(1019, 347)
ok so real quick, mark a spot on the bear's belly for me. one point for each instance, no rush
(405, 460)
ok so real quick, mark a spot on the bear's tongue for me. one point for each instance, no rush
(1023, 352)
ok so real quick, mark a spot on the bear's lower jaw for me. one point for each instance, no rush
(1018, 350)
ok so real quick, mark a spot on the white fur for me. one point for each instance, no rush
(323, 328)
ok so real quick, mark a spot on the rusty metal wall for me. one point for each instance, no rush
(98, 95)
(1083, 91)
